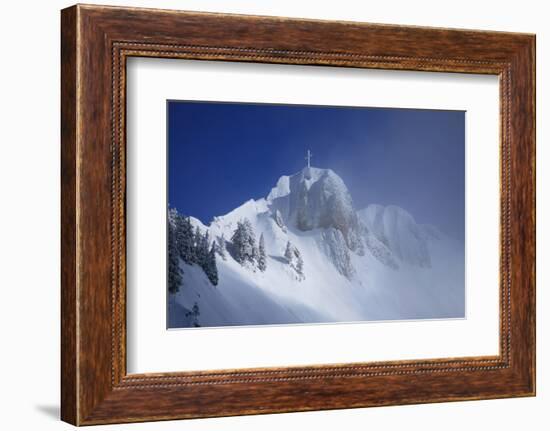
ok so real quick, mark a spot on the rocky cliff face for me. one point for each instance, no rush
(317, 199)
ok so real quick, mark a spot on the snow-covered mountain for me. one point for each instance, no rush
(325, 261)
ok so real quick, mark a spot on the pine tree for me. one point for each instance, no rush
(239, 242)
(211, 269)
(194, 314)
(251, 250)
(174, 271)
(185, 238)
(262, 258)
(203, 250)
(294, 259)
(191, 247)
(244, 248)
(199, 253)
(172, 215)
(299, 263)
(288, 252)
(197, 238)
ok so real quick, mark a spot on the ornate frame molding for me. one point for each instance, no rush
(96, 41)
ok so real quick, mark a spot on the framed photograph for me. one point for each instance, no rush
(264, 215)
(313, 249)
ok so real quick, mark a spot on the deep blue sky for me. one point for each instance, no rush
(222, 154)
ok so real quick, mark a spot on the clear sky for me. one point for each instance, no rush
(223, 154)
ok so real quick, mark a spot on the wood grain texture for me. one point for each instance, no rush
(69, 397)
(96, 41)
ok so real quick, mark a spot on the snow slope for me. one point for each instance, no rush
(372, 264)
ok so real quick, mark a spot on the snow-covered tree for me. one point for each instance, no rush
(174, 271)
(197, 236)
(244, 242)
(262, 258)
(194, 315)
(299, 263)
(172, 214)
(185, 238)
(251, 249)
(202, 243)
(205, 248)
(238, 243)
(191, 246)
(210, 268)
(288, 252)
(294, 259)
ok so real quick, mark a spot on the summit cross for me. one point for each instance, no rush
(308, 158)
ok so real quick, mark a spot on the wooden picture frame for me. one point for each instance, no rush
(96, 41)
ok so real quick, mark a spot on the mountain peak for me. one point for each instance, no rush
(315, 198)
(310, 175)
(307, 176)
